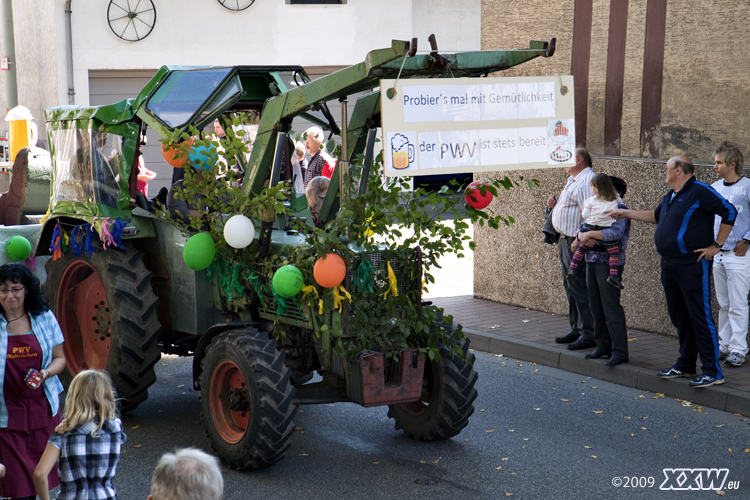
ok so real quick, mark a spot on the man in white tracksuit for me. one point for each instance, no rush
(731, 267)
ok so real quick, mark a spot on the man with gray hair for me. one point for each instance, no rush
(685, 228)
(187, 474)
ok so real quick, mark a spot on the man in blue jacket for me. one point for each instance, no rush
(685, 227)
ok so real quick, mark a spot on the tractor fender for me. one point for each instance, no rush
(206, 338)
(45, 238)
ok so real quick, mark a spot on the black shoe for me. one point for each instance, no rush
(616, 360)
(599, 353)
(571, 337)
(615, 281)
(571, 275)
(581, 344)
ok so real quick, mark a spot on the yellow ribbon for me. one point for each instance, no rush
(368, 232)
(338, 299)
(392, 283)
(307, 290)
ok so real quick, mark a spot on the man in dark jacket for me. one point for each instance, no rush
(685, 220)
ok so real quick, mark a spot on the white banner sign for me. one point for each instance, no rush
(442, 126)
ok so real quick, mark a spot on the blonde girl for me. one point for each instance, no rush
(87, 442)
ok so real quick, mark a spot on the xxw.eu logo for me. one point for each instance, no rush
(696, 479)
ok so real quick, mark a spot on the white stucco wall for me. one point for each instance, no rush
(34, 29)
(203, 32)
(457, 25)
(269, 32)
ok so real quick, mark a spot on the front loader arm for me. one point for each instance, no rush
(279, 110)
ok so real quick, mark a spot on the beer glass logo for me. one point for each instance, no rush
(402, 152)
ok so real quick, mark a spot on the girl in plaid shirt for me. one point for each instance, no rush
(87, 442)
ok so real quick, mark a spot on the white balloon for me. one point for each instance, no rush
(239, 231)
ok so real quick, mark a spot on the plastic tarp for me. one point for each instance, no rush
(92, 164)
(31, 232)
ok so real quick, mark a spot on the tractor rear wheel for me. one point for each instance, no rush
(447, 400)
(246, 399)
(107, 312)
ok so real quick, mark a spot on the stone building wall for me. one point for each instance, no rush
(702, 101)
(512, 265)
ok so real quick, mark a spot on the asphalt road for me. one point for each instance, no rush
(537, 433)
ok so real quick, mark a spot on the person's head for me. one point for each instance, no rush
(313, 139)
(20, 288)
(679, 170)
(187, 474)
(316, 190)
(728, 158)
(218, 129)
(620, 185)
(299, 148)
(583, 161)
(603, 187)
(90, 396)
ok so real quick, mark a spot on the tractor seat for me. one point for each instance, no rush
(12, 202)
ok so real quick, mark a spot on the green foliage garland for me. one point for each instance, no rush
(388, 221)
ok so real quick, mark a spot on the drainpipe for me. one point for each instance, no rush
(10, 51)
(69, 34)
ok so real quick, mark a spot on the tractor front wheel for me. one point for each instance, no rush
(246, 399)
(107, 312)
(447, 399)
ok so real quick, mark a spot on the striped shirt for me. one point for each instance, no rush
(566, 216)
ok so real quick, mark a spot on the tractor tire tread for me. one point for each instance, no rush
(133, 321)
(452, 400)
(268, 434)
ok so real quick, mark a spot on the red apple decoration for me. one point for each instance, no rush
(474, 196)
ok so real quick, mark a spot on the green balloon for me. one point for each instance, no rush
(199, 251)
(287, 281)
(18, 248)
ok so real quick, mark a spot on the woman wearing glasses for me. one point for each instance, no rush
(30, 343)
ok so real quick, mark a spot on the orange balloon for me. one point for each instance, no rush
(329, 271)
(169, 152)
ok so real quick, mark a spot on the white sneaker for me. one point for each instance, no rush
(735, 359)
(723, 352)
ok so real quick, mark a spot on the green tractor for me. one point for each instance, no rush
(123, 294)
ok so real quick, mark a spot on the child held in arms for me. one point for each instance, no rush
(596, 217)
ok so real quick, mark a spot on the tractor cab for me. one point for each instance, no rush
(178, 97)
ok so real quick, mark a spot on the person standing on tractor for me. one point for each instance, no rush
(319, 158)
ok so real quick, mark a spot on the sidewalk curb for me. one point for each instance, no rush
(718, 397)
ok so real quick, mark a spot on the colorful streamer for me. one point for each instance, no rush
(392, 283)
(365, 276)
(339, 295)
